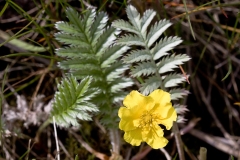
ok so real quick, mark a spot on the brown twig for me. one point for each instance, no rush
(142, 154)
(184, 74)
(215, 142)
(206, 100)
(88, 147)
(178, 140)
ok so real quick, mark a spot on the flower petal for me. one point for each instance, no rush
(136, 101)
(141, 115)
(126, 125)
(161, 97)
(154, 137)
(155, 127)
(168, 121)
(162, 110)
(124, 112)
(157, 142)
(136, 104)
(133, 137)
(131, 100)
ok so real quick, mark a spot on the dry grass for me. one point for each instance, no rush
(28, 76)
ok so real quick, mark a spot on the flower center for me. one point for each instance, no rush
(146, 120)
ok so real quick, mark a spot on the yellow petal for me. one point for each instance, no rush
(137, 104)
(158, 142)
(133, 137)
(161, 97)
(136, 99)
(154, 137)
(131, 100)
(162, 111)
(126, 125)
(155, 127)
(168, 121)
(125, 113)
(136, 122)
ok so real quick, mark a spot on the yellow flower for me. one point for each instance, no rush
(141, 116)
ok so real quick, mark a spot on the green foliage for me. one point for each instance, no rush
(153, 61)
(72, 101)
(91, 51)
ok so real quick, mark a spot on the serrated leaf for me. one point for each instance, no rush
(181, 119)
(115, 71)
(150, 84)
(88, 95)
(156, 31)
(124, 25)
(98, 58)
(75, 64)
(75, 18)
(70, 39)
(88, 18)
(130, 40)
(98, 26)
(178, 93)
(146, 20)
(75, 52)
(180, 109)
(90, 107)
(165, 45)
(143, 69)
(169, 63)
(137, 56)
(106, 40)
(96, 73)
(68, 28)
(121, 84)
(112, 54)
(66, 102)
(69, 119)
(83, 116)
(173, 80)
(134, 16)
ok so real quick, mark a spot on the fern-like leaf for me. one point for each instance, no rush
(157, 30)
(93, 52)
(164, 46)
(169, 63)
(115, 71)
(150, 85)
(98, 26)
(130, 40)
(146, 20)
(121, 83)
(177, 94)
(77, 52)
(71, 102)
(114, 53)
(134, 17)
(121, 24)
(172, 80)
(143, 69)
(66, 28)
(153, 62)
(75, 64)
(180, 109)
(106, 40)
(72, 40)
(137, 56)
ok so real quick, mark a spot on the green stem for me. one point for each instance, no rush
(43, 126)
